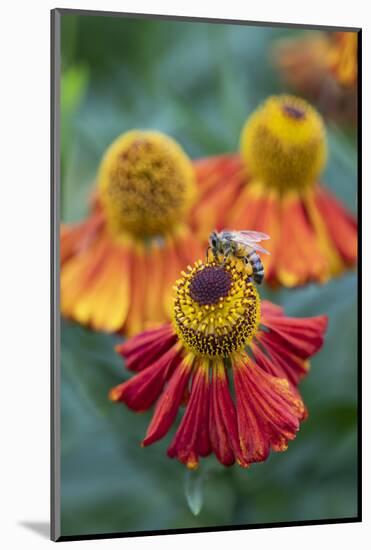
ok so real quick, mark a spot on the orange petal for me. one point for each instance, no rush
(111, 294)
(173, 266)
(213, 172)
(76, 237)
(299, 258)
(78, 272)
(135, 321)
(325, 244)
(104, 302)
(189, 250)
(219, 193)
(258, 208)
(155, 267)
(341, 225)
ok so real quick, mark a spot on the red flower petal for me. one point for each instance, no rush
(168, 404)
(304, 337)
(141, 391)
(145, 348)
(192, 437)
(223, 419)
(268, 309)
(282, 368)
(280, 361)
(268, 411)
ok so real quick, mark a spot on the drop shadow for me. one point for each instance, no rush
(42, 528)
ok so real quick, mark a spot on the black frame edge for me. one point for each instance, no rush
(304, 523)
(55, 527)
(102, 13)
(359, 272)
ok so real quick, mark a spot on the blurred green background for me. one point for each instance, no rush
(198, 82)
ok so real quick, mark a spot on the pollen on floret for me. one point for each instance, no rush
(146, 184)
(284, 143)
(192, 464)
(114, 394)
(216, 309)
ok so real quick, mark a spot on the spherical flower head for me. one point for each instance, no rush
(216, 309)
(283, 143)
(146, 184)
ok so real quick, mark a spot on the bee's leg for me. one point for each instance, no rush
(227, 254)
(207, 253)
(247, 263)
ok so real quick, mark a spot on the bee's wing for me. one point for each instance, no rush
(254, 236)
(260, 249)
(247, 242)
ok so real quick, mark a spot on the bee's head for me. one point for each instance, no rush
(213, 240)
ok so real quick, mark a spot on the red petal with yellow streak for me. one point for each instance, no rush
(268, 410)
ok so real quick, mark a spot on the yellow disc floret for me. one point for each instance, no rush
(146, 184)
(216, 309)
(283, 143)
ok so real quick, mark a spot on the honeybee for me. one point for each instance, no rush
(242, 245)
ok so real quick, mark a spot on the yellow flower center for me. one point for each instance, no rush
(283, 143)
(146, 184)
(216, 309)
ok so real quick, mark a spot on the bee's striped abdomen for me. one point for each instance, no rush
(256, 265)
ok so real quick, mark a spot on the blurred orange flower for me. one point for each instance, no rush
(118, 265)
(221, 335)
(272, 186)
(322, 67)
